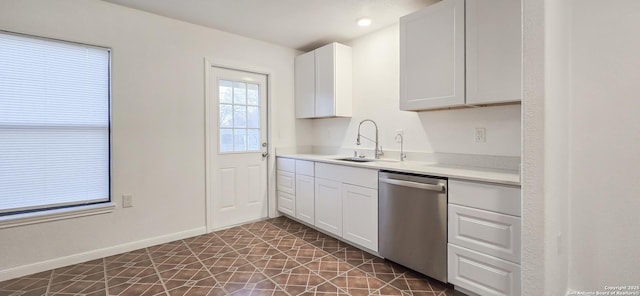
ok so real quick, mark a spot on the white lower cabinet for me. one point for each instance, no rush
(360, 215)
(340, 200)
(328, 206)
(481, 273)
(286, 203)
(488, 232)
(305, 198)
(484, 238)
(347, 203)
(286, 186)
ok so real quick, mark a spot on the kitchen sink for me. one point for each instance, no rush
(356, 159)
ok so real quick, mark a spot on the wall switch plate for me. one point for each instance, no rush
(481, 135)
(127, 200)
(399, 132)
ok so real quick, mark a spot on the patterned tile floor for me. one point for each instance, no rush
(272, 257)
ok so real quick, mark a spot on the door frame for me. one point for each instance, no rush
(208, 173)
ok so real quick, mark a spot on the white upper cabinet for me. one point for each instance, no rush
(305, 85)
(432, 57)
(323, 82)
(441, 66)
(494, 50)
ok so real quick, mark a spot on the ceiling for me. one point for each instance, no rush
(299, 24)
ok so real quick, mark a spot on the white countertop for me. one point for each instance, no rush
(506, 177)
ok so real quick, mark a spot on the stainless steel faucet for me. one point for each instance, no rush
(378, 150)
(403, 155)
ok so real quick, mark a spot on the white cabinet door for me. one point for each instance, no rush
(494, 48)
(328, 206)
(360, 215)
(491, 197)
(333, 80)
(325, 81)
(286, 203)
(305, 85)
(286, 182)
(482, 274)
(432, 53)
(484, 231)
(305, 202)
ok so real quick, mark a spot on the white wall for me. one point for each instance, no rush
(605, 144)
(533, 265)
(157, 128)
(557, 150)
(375, 96)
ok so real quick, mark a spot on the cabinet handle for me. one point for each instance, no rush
(430, 187)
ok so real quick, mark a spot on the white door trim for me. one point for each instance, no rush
(271, 190)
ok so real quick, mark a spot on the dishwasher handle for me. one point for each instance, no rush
(430, 187)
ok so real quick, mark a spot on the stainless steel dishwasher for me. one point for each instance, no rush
(413, 222)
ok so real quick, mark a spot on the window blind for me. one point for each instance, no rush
(54, 123)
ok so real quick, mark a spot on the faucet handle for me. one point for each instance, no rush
(355, 153)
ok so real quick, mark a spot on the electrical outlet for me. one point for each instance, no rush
(481, 135)
(127, 200)
(400, 133)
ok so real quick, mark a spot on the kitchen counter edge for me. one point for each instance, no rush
(497, 176)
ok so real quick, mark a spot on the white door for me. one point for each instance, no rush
(237, 140)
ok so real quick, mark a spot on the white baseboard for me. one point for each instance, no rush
(28, 269)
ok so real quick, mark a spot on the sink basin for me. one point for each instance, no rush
(356, 159)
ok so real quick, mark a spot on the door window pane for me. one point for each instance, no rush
(239, 116)
(239, 93)
(253, 94)
(226, 140)
(226, 92)
(239, 139)
(253, 117)
(226, 115)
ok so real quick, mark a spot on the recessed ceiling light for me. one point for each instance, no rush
(364, 22)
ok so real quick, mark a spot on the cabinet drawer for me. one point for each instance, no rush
(304, 167)
(286, 203)
(286, 164)
(490, 197)
(347, 174)
(286, 182)
(482, 274)
(487, 232)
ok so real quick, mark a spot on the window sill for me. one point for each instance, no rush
(55, 215)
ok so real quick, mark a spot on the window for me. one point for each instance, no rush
(239, 116)
(54, 124)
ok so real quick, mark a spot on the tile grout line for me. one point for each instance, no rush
(50, 281)
(166, 291)
(106, 284)
(326, 281)
(269, 277)
(289, 257)
(204, 266)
